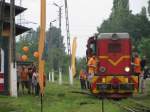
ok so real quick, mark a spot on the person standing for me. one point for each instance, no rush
(18, 79)
(92, 64)
(24, 79)
(37, 87)
(138, 71)
(82, 79)
(137, 64)
(30, 73)
(143, 63)
(35, 82)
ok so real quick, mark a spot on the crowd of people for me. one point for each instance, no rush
(141, 69)
(27, 80)
(86, 77)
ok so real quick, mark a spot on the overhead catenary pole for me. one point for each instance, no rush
(67, 30)
(60, 18)
(50, 42)
(68, 41)
(60, 10)
(20, 14)
(59, 40)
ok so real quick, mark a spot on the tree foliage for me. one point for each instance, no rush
(80, 64)
(122, 20)
(149, 7)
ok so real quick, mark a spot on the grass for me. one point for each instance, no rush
(57, 98)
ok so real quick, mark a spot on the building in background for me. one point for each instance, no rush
(4, 46)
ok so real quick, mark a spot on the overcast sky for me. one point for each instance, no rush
(84, 16)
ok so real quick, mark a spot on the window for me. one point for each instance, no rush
(93, 47)
(1, 60)
(114, 47)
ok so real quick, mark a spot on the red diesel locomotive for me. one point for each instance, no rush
(114, 77)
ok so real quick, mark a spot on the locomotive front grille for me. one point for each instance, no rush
(129, 86)
(106, 87)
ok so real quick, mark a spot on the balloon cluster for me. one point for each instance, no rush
(26, 50)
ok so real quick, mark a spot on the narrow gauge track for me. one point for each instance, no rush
(136, 107)
(140, 106)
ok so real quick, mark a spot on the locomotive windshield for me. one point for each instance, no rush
(93, 47)
(114, 47)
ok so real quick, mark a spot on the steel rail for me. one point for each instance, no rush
(128, 108)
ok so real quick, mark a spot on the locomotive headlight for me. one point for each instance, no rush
(127, 69)
(102, 69)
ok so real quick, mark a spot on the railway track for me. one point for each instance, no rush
(135, 107)
(140, 106)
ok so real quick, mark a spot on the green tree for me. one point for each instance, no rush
(56, 52)
(119, 7)
(143, 11)
(122, 20)
(149, 7)
(80, 64)
(144, 47)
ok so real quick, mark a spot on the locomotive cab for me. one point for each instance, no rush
(114, 71)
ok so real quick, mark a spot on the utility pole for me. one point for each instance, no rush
(68, 42)
(12, 51)
(60, 17)
(59, 45)
(12, 32)
(68, 30)
(2, 5)
(20, 14)
(49, 40)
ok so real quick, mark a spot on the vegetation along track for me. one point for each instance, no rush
(132, 106)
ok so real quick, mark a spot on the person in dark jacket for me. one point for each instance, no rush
(143, 62)
(82, 79)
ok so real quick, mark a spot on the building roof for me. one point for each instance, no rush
(6, 25)
(19, 29)
(18, 9)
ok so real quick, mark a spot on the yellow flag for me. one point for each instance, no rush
(73, 57)
(41, 45)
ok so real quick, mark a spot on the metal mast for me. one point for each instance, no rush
(67, 28)
(60, 17)
(20, 14)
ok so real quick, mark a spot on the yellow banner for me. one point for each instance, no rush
(73, 57)
(41, 45)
